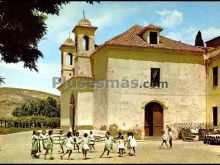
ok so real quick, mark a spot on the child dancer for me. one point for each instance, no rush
(121, 146)
(49, 145)
(129, 137)
(35, 146)
(91, 141)
(69, 146)
(118, 138)
(85, 145)
(39, 141)
(133, 144)
(170, 134)
(164, 139)
(108, 144)
(43, 137)
(78, 141)
(62, 139)
(74, 139)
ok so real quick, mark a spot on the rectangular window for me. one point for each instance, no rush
(215, 76)
(155, 77)
(215, 116)
(153, 37)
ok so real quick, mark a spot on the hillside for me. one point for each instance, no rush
(11, 97)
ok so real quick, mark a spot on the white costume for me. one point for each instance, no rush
(133, 142)
(91, 139)
(85, 143)
(164, 137)
(170, 134)
(121, 144)
(69, 143)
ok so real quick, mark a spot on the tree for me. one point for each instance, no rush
(41, 107)
(198, 40)
(22, 26)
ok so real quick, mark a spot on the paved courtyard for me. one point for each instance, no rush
(15, 148)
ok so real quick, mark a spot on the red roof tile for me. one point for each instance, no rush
(216, 38)
(214, 52)
(132, 38)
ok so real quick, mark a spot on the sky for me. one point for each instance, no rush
(181, 21)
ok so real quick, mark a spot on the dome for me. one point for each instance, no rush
(84, 22)
(69, 42)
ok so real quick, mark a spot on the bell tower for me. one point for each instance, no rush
(68, 53)
(85, 44)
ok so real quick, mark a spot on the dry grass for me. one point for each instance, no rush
(12, 97)
(10, 130)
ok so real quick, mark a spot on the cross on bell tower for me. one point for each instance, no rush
(84, 14)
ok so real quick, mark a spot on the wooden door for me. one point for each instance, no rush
(157, 120)
(148, 126)
(153, 125)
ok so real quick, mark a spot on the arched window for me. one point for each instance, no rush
(70, 59)
(86, 43)
(62, 59)
(76, 42)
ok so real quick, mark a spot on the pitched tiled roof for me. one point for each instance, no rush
(214, 52)
(132, 38)
(69, 42)
(216, 38)
(151, 27)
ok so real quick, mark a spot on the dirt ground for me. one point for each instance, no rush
(15, 148)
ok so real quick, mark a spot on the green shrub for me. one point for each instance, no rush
(137, 131)
(103, 127)
(113, 129)
(183, 133)
(28, 121)
(40, 107)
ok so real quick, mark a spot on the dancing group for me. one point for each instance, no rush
(72, 141)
